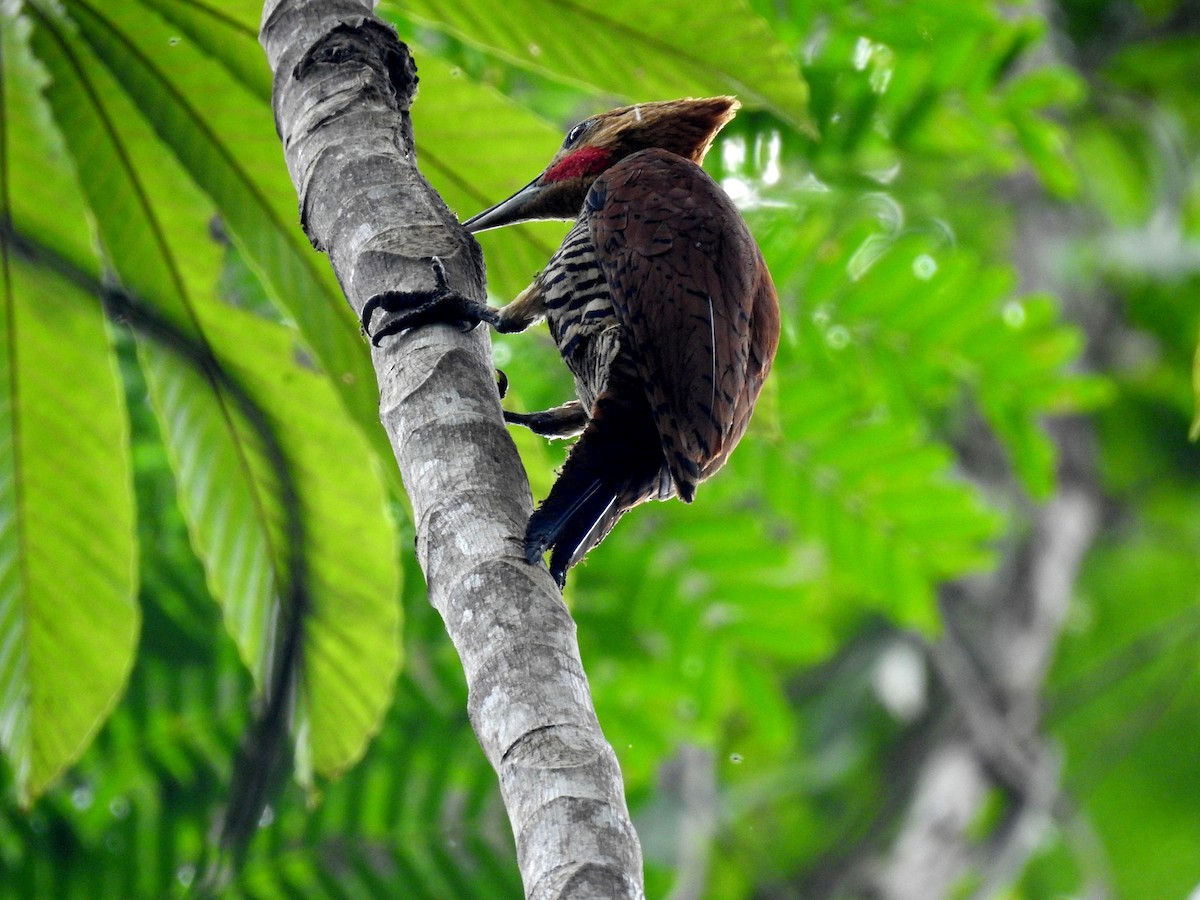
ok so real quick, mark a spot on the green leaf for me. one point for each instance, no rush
(642, 51)
(230, 498)
(43, 192)
(223, 136)
(1116, 167)
(924, 323)
(68, 620)
(877, 495)
(352, 639)
(153, 222)
(1045, 144)
(228, 33)
(67, 550)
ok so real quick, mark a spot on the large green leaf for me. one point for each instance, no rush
(228, 33)
(68, 621)
(229, 495)
(203, 112)
(67, 550)
(43, 197)
(153, 222)
(642, 51)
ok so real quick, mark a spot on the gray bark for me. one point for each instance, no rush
(343, 87)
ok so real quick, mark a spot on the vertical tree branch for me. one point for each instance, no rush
(343, 87)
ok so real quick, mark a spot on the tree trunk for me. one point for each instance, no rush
(343, 88)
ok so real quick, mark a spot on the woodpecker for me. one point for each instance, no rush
(660, 304)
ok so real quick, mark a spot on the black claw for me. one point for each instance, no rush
(413, 309)
(372, 304)
(442, 286)
(501, 383)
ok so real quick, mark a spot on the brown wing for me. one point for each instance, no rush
(694, 299)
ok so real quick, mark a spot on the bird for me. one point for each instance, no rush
(661, 306)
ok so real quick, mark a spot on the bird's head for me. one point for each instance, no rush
(684, 127)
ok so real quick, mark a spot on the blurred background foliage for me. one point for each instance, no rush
(979, 217)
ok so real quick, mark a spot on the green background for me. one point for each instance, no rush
(984, 224)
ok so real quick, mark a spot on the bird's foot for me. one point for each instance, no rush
(412, 309)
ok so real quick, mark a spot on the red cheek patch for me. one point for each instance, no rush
(584, 161)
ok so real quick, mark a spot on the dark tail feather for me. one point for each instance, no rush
(551, 517)
(614, 466)
(572, 524)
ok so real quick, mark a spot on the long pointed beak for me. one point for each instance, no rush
(507, 212)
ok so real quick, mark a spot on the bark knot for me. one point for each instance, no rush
(369, 43)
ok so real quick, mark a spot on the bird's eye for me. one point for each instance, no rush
(575, 133)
